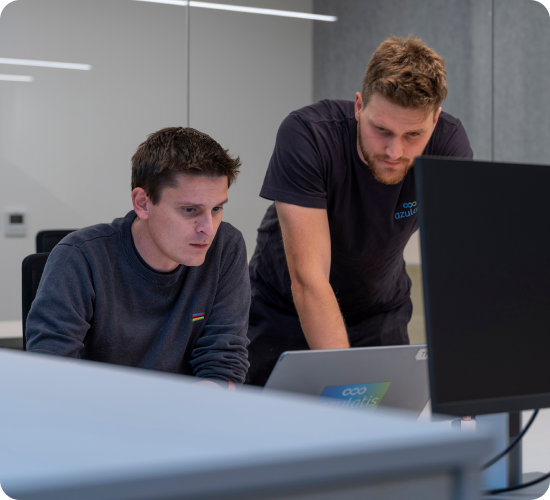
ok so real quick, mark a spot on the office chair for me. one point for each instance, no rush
(32, 269)
(47, 239)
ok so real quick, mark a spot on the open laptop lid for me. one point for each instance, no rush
(364, 377)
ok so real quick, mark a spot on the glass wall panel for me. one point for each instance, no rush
(248, 72)
(67, 137)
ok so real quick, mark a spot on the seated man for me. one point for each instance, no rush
(166, 287)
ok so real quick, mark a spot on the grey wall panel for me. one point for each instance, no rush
(459, 30)
(522, 74)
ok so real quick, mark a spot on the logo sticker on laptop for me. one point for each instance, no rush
(364, 396)
(422, 354)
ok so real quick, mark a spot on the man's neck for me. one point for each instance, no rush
(147, 248)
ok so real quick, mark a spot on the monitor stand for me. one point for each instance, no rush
(515, 470)
(505, 427)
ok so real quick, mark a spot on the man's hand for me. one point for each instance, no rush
(306, 237)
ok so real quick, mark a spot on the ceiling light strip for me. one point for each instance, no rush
(45, 64)
(182, 3)
(251, 10)
(16, 78)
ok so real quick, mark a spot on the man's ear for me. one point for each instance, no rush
(358, 105)
(141, 202)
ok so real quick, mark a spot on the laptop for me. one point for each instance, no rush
(362, 378)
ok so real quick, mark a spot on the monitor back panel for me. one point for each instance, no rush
(311, 372)
(485, 240)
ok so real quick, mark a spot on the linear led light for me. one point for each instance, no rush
(16, 78)
(45, 64)
(252, 10)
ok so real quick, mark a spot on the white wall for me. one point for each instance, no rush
(67, 138)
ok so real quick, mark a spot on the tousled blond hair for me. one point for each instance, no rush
(406, 72)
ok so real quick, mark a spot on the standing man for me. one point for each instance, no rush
(165, 287)
(328, 270)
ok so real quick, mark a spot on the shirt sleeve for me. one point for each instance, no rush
(295, 172)
(61, 313)
(220, 353)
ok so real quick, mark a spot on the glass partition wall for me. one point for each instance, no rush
(67, 136)
(68, 131)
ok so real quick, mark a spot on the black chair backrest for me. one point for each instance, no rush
(33, 267)
(47, 239)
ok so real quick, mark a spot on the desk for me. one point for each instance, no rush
(76, 429)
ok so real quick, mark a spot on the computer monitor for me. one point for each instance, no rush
(485, 245)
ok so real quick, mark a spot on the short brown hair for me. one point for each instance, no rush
(178, 150)
(406, 72)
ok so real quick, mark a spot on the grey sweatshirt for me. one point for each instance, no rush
(99, 300)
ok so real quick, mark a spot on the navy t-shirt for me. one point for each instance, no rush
(316, 164)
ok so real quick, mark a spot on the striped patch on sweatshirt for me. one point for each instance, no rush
(198, 317)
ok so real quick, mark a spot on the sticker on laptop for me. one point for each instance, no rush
(363, 396)
(421, 355)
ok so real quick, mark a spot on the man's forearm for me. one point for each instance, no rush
(320, 316)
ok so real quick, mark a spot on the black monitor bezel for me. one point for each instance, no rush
(464, 407)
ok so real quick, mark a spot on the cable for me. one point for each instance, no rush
(512, 444)
(507, 450)
(519, 486)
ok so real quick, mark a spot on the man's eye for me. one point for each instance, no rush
(217, 209)
(189, 210)
(414, 134)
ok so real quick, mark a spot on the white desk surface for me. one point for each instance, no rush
(535, 444)
(11, 329)
(112, 432)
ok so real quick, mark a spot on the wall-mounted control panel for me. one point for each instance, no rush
(15, 223)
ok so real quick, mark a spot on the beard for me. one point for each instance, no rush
(384, 175)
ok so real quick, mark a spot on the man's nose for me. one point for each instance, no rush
(206, 225)
(394, 150)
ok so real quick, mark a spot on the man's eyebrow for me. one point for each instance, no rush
(200, 205)
(418, 131)
(379, 125)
